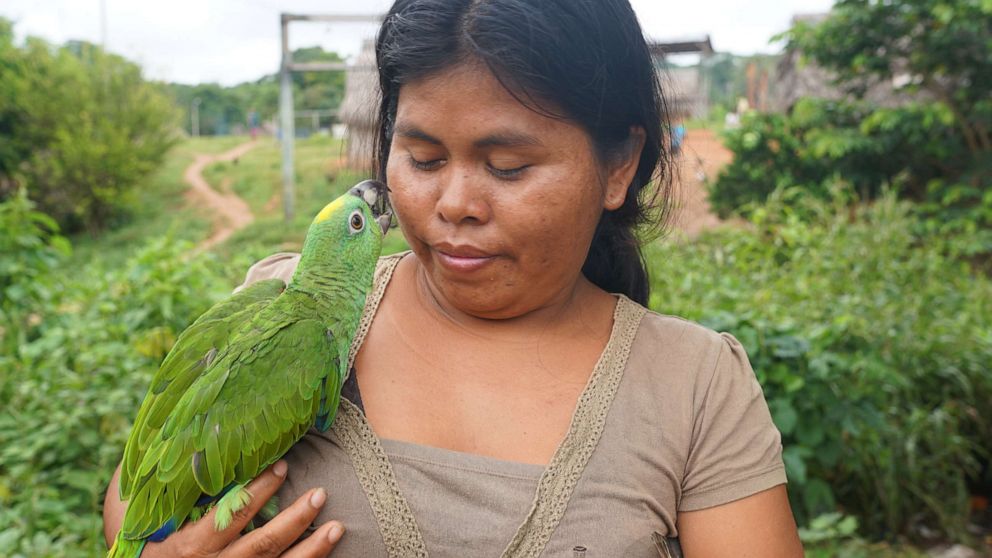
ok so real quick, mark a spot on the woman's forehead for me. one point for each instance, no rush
(468, 98)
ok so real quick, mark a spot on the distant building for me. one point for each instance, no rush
(357, 112)
(796, 79)
(686, 89)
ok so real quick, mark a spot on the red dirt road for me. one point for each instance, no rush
(228, 211)
(702, 157)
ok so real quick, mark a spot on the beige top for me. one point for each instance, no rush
(672, 419)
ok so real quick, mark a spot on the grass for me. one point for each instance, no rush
(159, 208)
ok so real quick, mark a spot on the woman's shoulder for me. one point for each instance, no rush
(666, 333)
(670, 351)
(282, 265)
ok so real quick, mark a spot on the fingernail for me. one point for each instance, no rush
(280, 468)
(335, 532)
(318, 497)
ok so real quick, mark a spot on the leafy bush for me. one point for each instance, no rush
(821, 143)
(936, 149)
(30, 247)
(69, 394)
(80, 128)
(872, 345)
(932, 49)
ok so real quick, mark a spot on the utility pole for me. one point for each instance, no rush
(194, 117)
(287, 131)
(103, 25)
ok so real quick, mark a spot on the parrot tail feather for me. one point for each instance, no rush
(232, 502)
(125, 548)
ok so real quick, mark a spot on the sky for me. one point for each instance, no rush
(232, 41)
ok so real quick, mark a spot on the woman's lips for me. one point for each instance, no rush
(462, 259)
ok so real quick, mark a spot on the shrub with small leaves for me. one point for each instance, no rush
(68, 395)
(872, 345)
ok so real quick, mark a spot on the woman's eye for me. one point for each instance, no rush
(426, 165)
(508, 174)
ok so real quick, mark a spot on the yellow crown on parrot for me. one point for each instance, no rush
(329, 210)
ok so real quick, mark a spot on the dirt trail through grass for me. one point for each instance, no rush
(228, 211)
(702, 158)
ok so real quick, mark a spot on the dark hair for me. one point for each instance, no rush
(585, 61)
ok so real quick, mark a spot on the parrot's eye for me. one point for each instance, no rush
(357, 222)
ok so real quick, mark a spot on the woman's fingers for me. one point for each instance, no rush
(319, 544)
(284, 529)
(261, 489)
(201, 539)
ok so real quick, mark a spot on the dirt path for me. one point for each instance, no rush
(702, 158)
(228, 211)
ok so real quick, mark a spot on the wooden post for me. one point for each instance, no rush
(287, 132)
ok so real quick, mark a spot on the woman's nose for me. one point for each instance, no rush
(462, 200)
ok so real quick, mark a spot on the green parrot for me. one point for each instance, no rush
(249, 377)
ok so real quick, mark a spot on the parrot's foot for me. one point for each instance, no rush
(270, 509)
(264, 515)
(234, 501)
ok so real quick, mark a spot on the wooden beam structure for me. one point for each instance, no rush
(286, 68)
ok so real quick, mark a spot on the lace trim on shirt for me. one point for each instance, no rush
(559, 479)
(397, 524)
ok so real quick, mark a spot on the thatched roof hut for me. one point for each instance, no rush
(357, 112)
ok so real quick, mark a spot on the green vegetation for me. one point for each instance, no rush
(82, 333)
(225, 110)
(81, 129)
(930, 144)
(859, 288)
(849, 319)
(871, 344)
(935, 48)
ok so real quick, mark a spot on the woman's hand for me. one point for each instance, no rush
(275, 538)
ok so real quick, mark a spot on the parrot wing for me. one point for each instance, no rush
(242, 414)
(195, 348)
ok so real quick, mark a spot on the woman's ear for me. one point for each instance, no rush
(622, 168)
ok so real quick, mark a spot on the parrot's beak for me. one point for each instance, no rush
(376, 194)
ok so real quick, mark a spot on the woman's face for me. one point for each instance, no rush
(498, 202)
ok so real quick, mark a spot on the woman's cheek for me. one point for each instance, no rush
(410, 202)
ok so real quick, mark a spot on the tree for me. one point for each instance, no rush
(933, 147)
(79, 129)
(222, 108)
(937, 47)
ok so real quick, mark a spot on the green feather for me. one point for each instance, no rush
(232, 502)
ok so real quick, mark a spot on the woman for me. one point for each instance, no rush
(501, 400)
